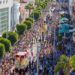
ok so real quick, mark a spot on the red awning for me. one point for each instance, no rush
(21, 54)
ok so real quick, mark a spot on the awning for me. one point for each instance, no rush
(21, 54)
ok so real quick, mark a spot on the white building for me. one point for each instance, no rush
(24, 13)
(5, 15)
(15, 14)
(19, 13)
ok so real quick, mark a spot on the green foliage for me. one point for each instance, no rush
(46, 3)
(36, 15)
(38, 2)
(20, 28)
(58, 67)
(29, 6)
(59, 37)
(6, 43)
(62, 15)
(12, 36)
(72, 62)
(43, 5)
(2, 50)
(28, 24)
(64, 58)
(30, 19)
(62, 64)
(39, 8)
(59, 46)
(66, 64)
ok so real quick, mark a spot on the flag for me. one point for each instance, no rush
(44, 28)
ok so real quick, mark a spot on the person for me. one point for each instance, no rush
(0, 71)
(45, 71)
(61, 72)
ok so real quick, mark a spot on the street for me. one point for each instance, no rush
(44, 49)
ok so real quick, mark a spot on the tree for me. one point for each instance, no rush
(63, 64)
(72, 62)
(29, 7)
(37, 2)
(6, 43)
(59, 37)
(38, 8)
(20, 28)
(28, 24)
(59, 46)
(29, 19)
(36, 15)
(43, 5)
(2, 50)
(12, 36)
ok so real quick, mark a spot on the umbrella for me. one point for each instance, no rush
(65, 25)
(63, 31)
(72, 30)
(61, 22)
(64, 19)
(64, 28)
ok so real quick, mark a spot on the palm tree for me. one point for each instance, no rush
(29, 7)
(72, 62)
(37, 2)
(63, 65)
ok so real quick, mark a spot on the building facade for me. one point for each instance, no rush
(72, 10)
(5, 15)
(15, 14)
(18, 12)
(24, 13)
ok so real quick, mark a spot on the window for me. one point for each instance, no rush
(4, 20)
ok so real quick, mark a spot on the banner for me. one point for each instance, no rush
(42, 29)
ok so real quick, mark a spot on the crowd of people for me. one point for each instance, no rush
(27, 39)
(7, 66)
